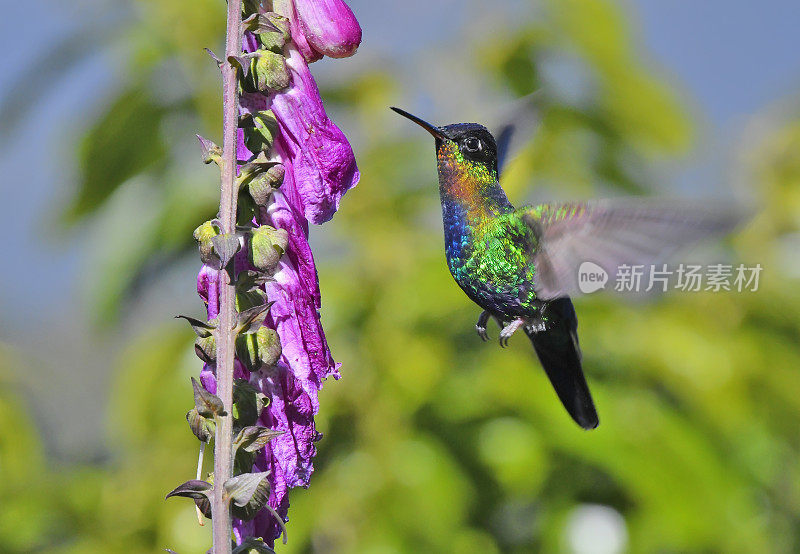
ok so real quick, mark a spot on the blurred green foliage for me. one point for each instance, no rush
(435, 441)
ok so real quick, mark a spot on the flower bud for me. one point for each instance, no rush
(329, 26)
(247, 351)
(267, 245)
(268, 71)
(269, 346)
(262, 185)
(203, 235)
(257, 349)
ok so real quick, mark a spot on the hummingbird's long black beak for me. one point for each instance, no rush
(435, 131)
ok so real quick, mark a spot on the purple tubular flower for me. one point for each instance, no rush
(319, 168)
(329, 27)
(324, 164)
(323, 161)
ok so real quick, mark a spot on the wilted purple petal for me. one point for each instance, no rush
(289, 456)
(329, 27)
(284, 215)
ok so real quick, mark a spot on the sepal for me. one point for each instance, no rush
(194, 488)
(211, 152)
(248, 493)
(202, 427)
(207, 404)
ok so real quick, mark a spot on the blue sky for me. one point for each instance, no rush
(730, 59)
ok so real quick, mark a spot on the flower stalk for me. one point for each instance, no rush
(226, 340)
(283, 164)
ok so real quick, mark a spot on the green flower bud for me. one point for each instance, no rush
(262, 348)
(267, 245)
(247, 351)
(269, 346)
(269, 72)
(203, 235)
(262, 185)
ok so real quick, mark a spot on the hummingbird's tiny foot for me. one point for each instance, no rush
(509, 330)
(480, 327)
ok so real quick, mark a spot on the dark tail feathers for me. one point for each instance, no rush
(560, 355)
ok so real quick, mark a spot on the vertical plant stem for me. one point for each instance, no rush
(223, 466)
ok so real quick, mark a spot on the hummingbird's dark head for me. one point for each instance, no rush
(474, 142)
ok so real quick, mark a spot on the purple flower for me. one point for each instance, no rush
(319, 168)
(329, 27)
(321, 27)
(323, 161)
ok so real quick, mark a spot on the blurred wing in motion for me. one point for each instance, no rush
(519, 124)
(611, 233)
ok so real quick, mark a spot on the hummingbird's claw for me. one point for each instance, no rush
(480, 326)
(509, 330)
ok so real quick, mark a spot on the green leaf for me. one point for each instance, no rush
(207, 404)
(248, 493)
(124, 142)
(249, 299)
(194, 488)
(201, 328)
(202, 427)
(246, 210)
(260, 130)
(243, 461)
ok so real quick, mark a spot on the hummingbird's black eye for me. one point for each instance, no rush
(472, 144)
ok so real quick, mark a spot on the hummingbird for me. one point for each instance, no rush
(521, 265)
